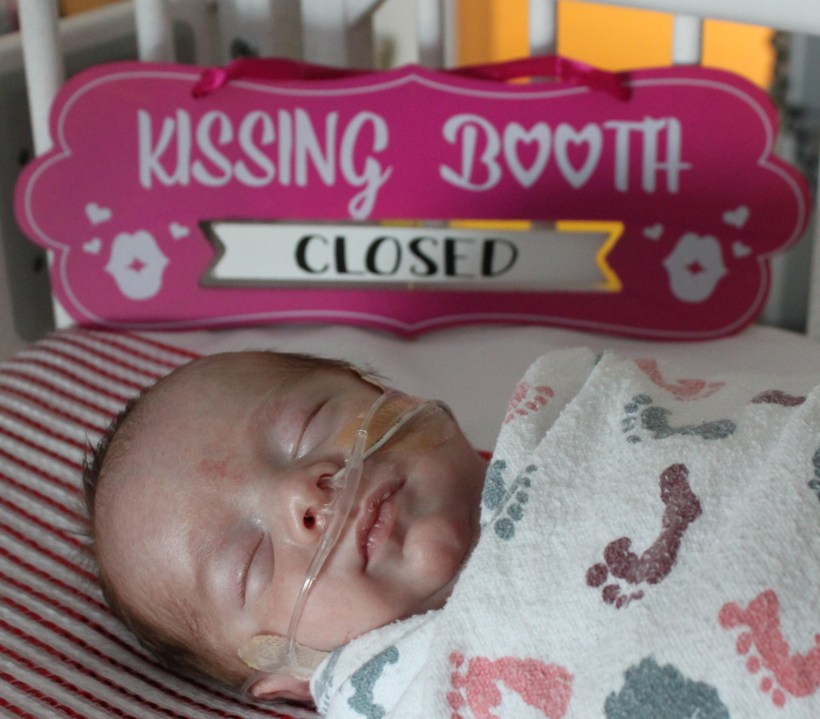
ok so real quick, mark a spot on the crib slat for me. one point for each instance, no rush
(359, 32)
(154, 39)
(338, 33)
(430, 32)
(687, 40)
(266, 27)
(202, 18)
(543, 22)
(321, 40)
(45, 69)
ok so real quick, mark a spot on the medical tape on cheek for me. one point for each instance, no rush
(407, 424)
(266, 652)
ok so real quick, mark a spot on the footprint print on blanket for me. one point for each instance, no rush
(778, 396)
(681, 508)
(527, 400)
(508, 684)
(814, 484)
(642, 413)
(497, 497)
(364, 683)
(651, 691)
(784, 672)
(683, 389)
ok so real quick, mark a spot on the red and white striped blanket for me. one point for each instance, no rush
(62, 654)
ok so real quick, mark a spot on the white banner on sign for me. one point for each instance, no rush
(564, 257)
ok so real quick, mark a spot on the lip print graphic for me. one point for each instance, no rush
(137, 265)
(695, 267)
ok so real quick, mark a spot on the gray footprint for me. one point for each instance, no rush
(655, 420)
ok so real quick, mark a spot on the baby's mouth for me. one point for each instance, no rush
(377, 520)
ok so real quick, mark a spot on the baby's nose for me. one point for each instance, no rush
(308, 493)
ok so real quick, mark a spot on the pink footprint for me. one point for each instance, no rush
(795, 674)
(683, 389)
(545, 687)
(527, 400)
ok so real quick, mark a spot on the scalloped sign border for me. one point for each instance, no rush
(420, 182)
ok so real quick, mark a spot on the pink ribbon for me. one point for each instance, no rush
(543, 66)
(552, 66)
(273, 68)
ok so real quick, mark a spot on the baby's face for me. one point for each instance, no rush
(208, 522)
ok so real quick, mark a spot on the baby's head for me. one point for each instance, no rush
(206, 510)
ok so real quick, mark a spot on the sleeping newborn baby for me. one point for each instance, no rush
(644, 543)
(207, 505)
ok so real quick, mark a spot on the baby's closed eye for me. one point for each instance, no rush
(244, 572)
(259, 572)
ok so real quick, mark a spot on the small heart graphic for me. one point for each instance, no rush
(97, 214)
(653, 232)
(590, 140)
(516, 135)
(178, 231)
(93, 247)
(741, 250)
(737, 217)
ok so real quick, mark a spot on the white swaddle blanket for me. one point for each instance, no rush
(650, 548)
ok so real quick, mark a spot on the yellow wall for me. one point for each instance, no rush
(613, 38)
(71, 7)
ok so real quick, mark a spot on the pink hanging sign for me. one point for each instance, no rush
(646, 204)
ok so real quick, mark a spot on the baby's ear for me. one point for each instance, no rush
(281, 686)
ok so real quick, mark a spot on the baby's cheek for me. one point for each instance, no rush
(434, 550)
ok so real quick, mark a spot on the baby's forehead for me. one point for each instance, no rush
(232, 370)
(218, 386)
(270, 363)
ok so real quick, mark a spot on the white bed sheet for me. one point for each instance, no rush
(474, 368)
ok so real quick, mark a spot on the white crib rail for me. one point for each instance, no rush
(687, 40)
(45, 73)
(543, 26)
(430, 24)
(792, 15)
(153, 21)
(338, 33)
